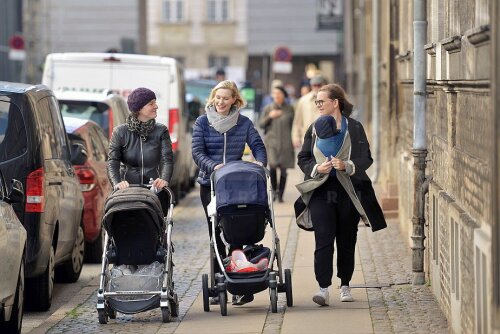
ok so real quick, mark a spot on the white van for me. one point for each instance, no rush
(122, 73)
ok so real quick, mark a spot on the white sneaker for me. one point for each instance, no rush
(322, 297)
(345, 294)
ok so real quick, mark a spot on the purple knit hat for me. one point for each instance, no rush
(139, 98)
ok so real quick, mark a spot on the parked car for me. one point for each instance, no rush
(106, 109)
(34, 148)
(122, 73)
(13, 250)
(94, 181)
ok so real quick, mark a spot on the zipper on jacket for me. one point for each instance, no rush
(224, 156)
(142, 163)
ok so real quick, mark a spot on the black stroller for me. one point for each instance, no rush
(137, 234)
(242, 207)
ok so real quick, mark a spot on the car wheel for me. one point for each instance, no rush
(93, 250)
(16, 318)
(39, 289)
(70, 270)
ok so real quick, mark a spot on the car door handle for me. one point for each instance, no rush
(55, 183)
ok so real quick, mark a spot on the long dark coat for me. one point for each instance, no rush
(362, 159)
(278, 135)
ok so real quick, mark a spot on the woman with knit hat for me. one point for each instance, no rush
(334, 157)
(141, 149)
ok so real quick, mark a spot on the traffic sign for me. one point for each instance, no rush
(16, 42)
(283, 54)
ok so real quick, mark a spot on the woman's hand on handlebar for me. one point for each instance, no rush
(159, 183)
(122, 185)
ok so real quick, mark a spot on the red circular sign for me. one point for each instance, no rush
(16, 42)
(282, 53)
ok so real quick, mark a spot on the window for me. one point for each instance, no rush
(13, 141)
(59, 130)
(218, 10)
(173, 11)
(218, 61)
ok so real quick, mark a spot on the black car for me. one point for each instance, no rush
(34, 149)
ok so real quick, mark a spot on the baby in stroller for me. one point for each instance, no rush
(242, 207)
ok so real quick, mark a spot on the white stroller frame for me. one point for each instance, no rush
(218, 281)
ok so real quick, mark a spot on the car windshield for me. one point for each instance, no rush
(90, 110)
(13, 141)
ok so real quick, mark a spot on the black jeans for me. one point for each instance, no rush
(278, 189)
(334, 218)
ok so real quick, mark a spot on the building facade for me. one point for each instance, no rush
(312, 31)
(204, 35)
(461, 207)
(76, 26)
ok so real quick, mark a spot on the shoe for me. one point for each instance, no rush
(280, 199)
(242, 299)
(345, 294)
(214, 300)
(322, 297)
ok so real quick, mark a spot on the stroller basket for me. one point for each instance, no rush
(243, 224)
(147, 279)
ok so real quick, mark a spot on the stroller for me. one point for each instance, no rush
(242, 207)
(137, 234)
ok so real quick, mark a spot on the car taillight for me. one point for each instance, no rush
(87, 177)
(110, 121)
(173, 126)
(35, 201)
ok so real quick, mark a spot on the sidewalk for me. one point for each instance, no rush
(390, 304)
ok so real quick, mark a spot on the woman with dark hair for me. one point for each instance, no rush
(276, 121)
(141, 149)
(219, 137)
(335, 156)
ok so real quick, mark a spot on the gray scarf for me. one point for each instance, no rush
(221, 123)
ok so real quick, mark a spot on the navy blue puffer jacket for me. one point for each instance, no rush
(208, 145)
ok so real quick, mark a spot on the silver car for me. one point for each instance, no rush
(12, 248)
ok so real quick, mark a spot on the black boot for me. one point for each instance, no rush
(281, 190)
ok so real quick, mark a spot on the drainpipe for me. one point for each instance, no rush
(375, 90)
(419, 151)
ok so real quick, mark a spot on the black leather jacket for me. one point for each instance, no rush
(129, 157)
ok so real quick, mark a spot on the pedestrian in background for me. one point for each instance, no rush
(335, 155)
(276, 121)
(306, 112)
(219, 137)
(141, 149)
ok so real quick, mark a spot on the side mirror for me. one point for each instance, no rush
(78, 154)
(16, 194)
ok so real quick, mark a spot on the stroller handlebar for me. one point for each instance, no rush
(149, 186)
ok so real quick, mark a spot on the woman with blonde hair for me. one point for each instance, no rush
(219, 137)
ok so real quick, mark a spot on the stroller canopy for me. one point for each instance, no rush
(240, 182)
(133, 199)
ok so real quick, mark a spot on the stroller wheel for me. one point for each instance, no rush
(111, 313)
(103, 317)
(274, 300)
(288, 286)
(174, 306)
(206, 295)
(223, 302)
(165, 314)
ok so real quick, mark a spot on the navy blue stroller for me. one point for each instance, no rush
(242, 207)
